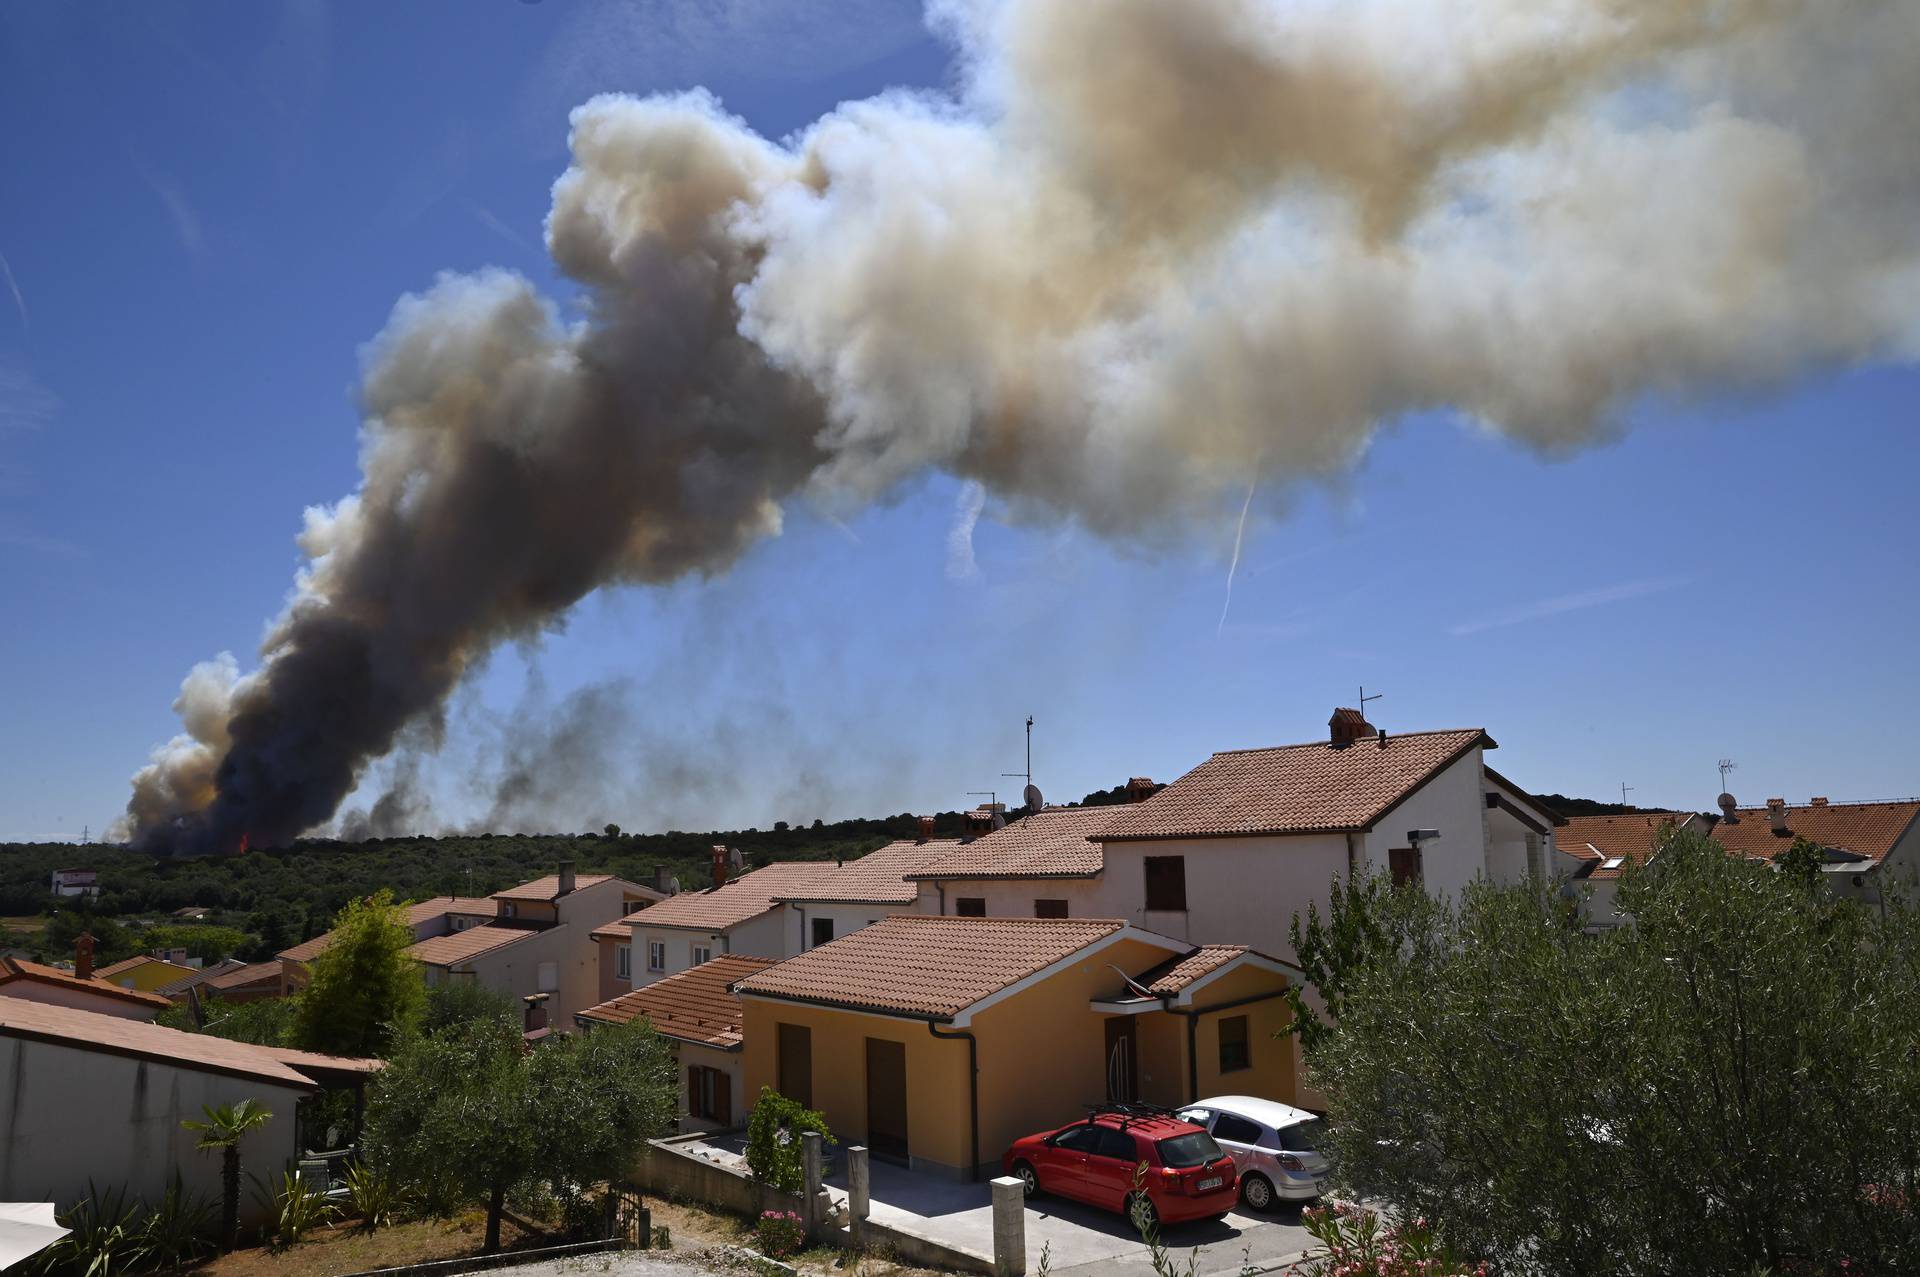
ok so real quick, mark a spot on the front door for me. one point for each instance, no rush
(887, 1100)
(796, 1063)
(1121, 1057)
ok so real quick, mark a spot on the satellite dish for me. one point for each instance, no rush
(1034, 801)
(735, 859)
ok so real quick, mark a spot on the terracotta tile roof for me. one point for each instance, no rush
(1293, 789)
(1629, 839)
(134, 963)
(88, 1030)
(193, 978)
(1204, 961)
(1867, 829)
(1051, 843)
(618, 929)
(879, 877)
(418, 914)
(548, 888)
(459, 946)
(1524, 795)
(926, 966)
(748, 896)
(243, 975)
(13, 969)
(698, 1005)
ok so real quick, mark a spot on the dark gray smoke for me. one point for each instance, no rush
(1151, 252)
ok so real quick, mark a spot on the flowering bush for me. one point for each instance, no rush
(780, 1233)
(1358, 1244)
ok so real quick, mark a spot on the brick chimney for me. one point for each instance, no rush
(83, 955)
(1139, 788)
(1347, 726)
(1777, 813)
(719, 864)
(536, 1014)
(1818, 802)
(926, 829)
(566, 879)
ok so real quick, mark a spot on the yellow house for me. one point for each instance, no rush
(936, 1041)
(143, 972)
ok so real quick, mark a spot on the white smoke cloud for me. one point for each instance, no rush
(1148, 255)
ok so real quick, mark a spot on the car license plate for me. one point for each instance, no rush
(1215, 1182)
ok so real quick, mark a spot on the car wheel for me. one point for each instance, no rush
(1256, 1192)
(1028, 1177)
(1141, 1213)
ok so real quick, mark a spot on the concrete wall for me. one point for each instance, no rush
(1239, 890)
(728, 1062)
(1014, 897)
(1453, 802)
(69, 1116)
(771, 935)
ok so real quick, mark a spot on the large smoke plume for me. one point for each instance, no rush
(1146, 252)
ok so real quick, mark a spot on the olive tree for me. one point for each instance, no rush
(1730, 1084)
(471, 1113)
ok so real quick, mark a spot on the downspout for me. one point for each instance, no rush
(804, 946)
(973, 1090)
(1192, 1016)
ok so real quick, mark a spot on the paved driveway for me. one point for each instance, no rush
(1081, 1239)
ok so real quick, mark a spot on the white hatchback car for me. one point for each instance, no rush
(1274, 1146)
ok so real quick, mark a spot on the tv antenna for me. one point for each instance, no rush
(1364, 698)
(1625, 789)
(1726, 765)
(86, 833)
(988, 794)
(1031, 794)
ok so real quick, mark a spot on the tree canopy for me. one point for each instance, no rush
(1730, 1084)
(363, 990)
(470, 1114)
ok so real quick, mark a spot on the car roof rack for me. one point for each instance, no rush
(1127, 1110)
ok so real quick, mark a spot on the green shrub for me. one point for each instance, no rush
(779, 1233)
(181, 1230)
(374, 1195)
(103, 1238)
(293, 1208)
(773, 1140)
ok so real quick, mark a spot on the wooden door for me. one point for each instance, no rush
(887, 1100)
(1121, 1054)
(796, 1063)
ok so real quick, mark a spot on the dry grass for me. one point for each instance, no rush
(693, 1227)
(344, 1248)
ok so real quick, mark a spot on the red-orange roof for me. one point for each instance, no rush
(1866, 829)
(134, 963)
(1294, 789)
(718, 908)
(1615, 841)
(421, 912)
(1050, 843)
(878, 878)
(240, 977)
(15, 969)
(548, 888)
(459, 946)
(89, 1030)
(927, 966)
(697, 1005)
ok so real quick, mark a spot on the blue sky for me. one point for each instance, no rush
(206, 209)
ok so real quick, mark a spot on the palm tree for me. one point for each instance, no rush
(224, 1128)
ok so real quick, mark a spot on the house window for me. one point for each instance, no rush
(1049, 908)
(549, 977)
(822, 932)
(628, 907)
(709, 1095)
(656, 955)
(508, 910)
(1234, 1054)
(970, 907)
(623, 961)
(1166, 884)
(702, 953)
(1405, 864)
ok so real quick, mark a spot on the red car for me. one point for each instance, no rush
(1098, 1161)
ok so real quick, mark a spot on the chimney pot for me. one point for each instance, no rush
(1819, 802)
(83, 955)
(719, 864)
(1139, 788)
(1777, 813)
(1347, 726)
(566, 878)
(926, 829)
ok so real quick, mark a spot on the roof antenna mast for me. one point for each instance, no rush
(1726, 765)
(1625, 789)
(1031, 794)
(1364, 698)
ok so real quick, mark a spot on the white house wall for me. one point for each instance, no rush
(1453, 802)
(69, 1117)
(1239, 890)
